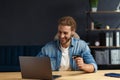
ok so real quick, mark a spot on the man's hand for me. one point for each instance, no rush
(83, 66)
(79, 61)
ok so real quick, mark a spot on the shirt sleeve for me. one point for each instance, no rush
(88, 58)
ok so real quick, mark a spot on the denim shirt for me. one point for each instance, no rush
(77, 47)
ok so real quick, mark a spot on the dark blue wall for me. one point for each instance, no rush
(34, 22)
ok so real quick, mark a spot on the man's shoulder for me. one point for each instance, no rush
(78, 40)
(51, 43)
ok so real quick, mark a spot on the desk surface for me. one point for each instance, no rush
(66, 75)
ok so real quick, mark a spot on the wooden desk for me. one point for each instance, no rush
(66, 75)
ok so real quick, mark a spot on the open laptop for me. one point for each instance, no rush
(36, 68)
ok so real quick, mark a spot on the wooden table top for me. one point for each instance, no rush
(65, 75)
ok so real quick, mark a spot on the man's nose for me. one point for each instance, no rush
(62, 35)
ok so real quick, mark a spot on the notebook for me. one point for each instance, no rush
(36, 68)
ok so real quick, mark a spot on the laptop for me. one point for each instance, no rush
(36, 68)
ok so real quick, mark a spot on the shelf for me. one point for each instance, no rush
(104, 12)
(103, 29)
(103, 47)
(104, 35)
(111, 66)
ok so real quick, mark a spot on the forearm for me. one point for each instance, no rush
(87, 68)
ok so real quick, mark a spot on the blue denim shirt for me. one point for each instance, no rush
(77, 47)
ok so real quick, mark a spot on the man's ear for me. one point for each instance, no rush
(73, 32)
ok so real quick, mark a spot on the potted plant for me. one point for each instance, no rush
(93, 5)
(97, 25)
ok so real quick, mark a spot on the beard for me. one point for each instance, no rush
(65, 41)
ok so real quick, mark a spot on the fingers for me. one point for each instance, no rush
(79, 61)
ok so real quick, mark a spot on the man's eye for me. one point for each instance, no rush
(65, 33)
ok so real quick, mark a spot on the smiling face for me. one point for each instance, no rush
(66, 28)
(65, 33)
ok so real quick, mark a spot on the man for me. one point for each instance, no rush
(61, 50)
